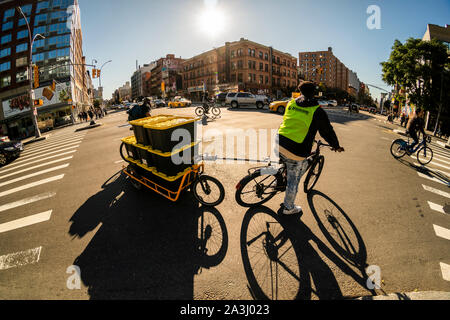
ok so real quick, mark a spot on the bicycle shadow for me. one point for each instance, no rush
(427, 171)
(144, 246)
(306, 273)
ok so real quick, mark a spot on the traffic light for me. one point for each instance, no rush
(94, 73)
(38, 103)
(98, 73)
(320, 71)
(36, 76)
(53, 85)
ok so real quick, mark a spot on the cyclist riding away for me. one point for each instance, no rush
(416, 124)
(302, 119)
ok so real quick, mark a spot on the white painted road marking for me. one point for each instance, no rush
(26, 222)
(445, 268)
(21, 160)
(436, 207)
(442, 232)
(34, 175)
(19, 259)
(26, 201)
(436, 191)
(31, 185)
(431, 178)
(119, 161)
(55, 146)
(35, 167)
(37, 161)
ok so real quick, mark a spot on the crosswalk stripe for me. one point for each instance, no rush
(34, 175)
(432, 179)
(442, 232)
(58, 145)
(436, 191)
(57, 138)
(434, 164)
(436, 207)
(37, 161)
(445, 269)
(49, 142)
(26, 201)
(36, 156)
(31, 185)
(26, 222)
(440, 160)
(35, 167)
(20, 259)
(441, 153)
(48, 146)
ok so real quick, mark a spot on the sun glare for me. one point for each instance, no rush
(212, 21)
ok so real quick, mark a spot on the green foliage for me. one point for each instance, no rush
(417, 66)
(96, 103)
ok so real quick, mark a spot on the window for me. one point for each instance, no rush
(22, 47)
(266, 57)
(233, 66)
(42, 6)
(20, 62)
(240, 64)
(239, 52)
(6, 39)
(8, 14)
(7, 26)
(22, 34)
(240, 77)
(261, 66)
(52, 54)
(22, 76)
(5, 66)
(22, 22)
(5, 52)
(233, 54)
(243, 95)
(40, 30)
(266, 68)
(27, 9)
(38, 57)
(5, 81)
(261, 79)
(260, 55)
(40, 18)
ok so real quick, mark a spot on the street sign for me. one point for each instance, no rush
(35, 111)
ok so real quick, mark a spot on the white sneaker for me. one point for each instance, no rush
(296, 210)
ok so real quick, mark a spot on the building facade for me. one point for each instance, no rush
(139, 81)
(168, 71)
(240, 66)
(353, 83)
(324, 67)
(62, 75)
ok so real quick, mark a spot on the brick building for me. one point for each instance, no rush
(240, 66)
(335, 73)
(167, 70)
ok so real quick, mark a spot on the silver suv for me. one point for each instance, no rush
(237, 99)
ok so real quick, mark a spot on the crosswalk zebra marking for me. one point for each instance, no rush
(26, 222)
(20, 259)
(436, 191)
(34, 175)
(31, 185)
(26, 201)
(436, 207)
(35, 167)
(36, 156)
(445, 269)
(59, 145)
(432, 179)
(442, 232)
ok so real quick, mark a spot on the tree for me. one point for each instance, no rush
(418, 66)
(96, 104)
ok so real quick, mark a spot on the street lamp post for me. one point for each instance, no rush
(100, 77)
(30, 73)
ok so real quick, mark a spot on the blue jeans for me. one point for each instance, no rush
(295, 172)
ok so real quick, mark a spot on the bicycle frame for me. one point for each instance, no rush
(419, 145)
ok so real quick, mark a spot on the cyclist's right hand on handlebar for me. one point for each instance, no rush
(340, 149)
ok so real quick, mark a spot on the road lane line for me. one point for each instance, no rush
(442, 232)
(35, 167)
(31, 185)
(26, 201)
(20, 259)
(58, 145)
(436, 191)
(37, 161)
(34, 174)
(436, 207)
(432, 179)
(445, 268)
(26, 222)
(36, 156)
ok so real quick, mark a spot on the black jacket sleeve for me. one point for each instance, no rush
(326, 129)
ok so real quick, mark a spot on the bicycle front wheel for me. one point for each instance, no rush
(257, 189)
(215, 111)
(398, 148)
(208, 191)
(424, 156)
(314, 174)
(199, 111)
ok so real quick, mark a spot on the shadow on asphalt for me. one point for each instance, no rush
(280, 256)
(427, 171)
(146, 247)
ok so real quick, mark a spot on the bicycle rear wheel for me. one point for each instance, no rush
(208, 191)
(424, 156)
(199, 111)
(398, 148)
(314, 174)
(215, 111)
(257, 189)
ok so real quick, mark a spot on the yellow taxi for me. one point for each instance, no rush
(179, 102)
(279, 106)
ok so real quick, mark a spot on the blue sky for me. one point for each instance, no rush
(145, 30)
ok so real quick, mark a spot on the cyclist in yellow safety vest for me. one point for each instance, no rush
(303, 118)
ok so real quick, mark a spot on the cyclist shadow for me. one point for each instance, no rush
(144, 246)
(301, 266)
(427, 171)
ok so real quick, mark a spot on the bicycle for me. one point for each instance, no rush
(400, 148)
(207, 109)
(263, 183)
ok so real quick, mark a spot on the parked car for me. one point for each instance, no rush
(279, 106)
(263, 97)
(373, 110)
(179, 102)
(332, 103)
(221, 98)
(158, 103)
(238, 99)
(9, 151)
(323, 103)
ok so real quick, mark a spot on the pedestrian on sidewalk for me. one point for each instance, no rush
(91, 114)
(402, 119)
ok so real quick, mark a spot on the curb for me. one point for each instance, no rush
(89, 127)
(426, 295)
(34, 140)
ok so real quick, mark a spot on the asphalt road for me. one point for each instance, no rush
(64, 203)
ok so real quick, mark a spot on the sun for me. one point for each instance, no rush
(212, 21)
